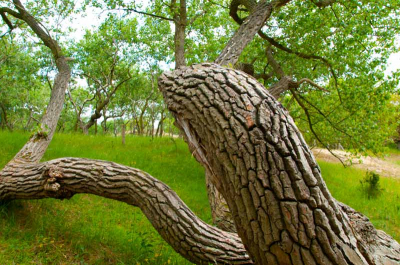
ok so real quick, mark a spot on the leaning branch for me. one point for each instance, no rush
(148, 14)
(310, 125)
(35, 148)
(242, 37)
(192, 238)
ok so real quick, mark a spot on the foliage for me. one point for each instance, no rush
(370, 185)
(343, 47)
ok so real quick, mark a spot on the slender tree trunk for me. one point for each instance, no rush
(5, 121)
(180, 35)
(34, 149)
(123, 133)
(230, 54)
(76, 125)
(261, 164)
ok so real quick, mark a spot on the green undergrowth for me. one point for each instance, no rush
(92, 230)
(383, 211)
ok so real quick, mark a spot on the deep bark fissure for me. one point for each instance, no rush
(260, 163)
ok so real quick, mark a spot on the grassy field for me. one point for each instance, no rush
(93, 230)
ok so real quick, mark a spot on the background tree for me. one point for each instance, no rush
(105, 60)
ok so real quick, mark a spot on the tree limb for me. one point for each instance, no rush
(192, 238)
(148, 14)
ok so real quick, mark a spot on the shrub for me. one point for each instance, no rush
(370, 185)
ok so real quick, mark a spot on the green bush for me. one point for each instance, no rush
(370, 185)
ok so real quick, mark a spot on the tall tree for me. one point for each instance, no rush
(257, 159)
(105, 60)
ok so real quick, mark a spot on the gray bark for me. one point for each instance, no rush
(195, 240)
(261, 164)
(123, 133)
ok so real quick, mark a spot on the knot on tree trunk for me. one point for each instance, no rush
(53, 183)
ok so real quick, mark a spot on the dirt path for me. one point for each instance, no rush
(383, 166)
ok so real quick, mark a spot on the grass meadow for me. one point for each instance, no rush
(92, 230)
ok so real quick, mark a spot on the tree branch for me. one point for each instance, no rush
(310, 125)
(323, 3)
(148, 14)
(192, 238)
(242, 37)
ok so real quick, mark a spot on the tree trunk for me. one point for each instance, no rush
(259, 13)
(4, 121)
(180, 20)
(221, 215)
(261, 164)
(253, 23)
(35, 148)
(123, 133)
(195, 240)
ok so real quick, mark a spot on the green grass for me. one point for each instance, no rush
(383, 211)
(93, 230)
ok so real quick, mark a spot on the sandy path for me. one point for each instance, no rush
(383, 166)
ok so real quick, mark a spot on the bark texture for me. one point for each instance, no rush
(62, 178)
(261, 164)
(221, 215)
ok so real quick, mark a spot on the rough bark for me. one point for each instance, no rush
(195, 240)
(221, 215)
(261, 164)
(260, 12)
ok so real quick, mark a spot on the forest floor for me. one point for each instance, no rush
(387, 166)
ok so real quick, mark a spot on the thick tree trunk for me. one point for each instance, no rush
(260, 163)
(259, 13)
(62, 178)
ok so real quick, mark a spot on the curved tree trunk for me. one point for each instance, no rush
(62, 178)
(254, 154)
(259, 13)
(221, 215)
(261, 164)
